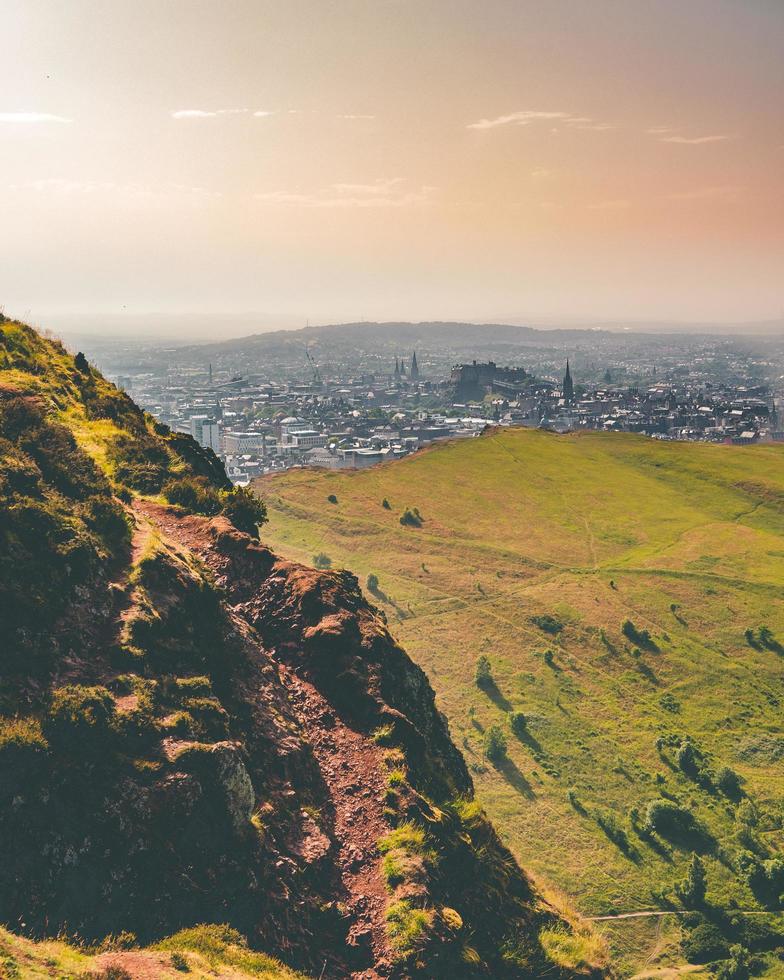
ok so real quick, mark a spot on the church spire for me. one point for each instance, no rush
(414, 368)
(568, 385)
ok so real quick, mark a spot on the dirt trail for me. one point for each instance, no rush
(352, 770)
(350, 765)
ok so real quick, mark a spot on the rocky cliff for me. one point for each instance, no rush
(195, 731)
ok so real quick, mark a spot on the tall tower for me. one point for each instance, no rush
(397, 368)
(568, 385)
(402, 368)
(414, 368)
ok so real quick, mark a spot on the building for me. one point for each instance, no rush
(568, 385)
(206, 431)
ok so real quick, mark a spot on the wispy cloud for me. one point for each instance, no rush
(525, 117)
(355, 115)
(209, 113)
(381, 193)
(668, 136)
(32, 117)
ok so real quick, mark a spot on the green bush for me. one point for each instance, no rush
(667, 818)
(547, 623)
(81, 716)
(729, 782)
(691, 891)
(705, 943)
(332, 498)
(194, 494)
(411, 517)
(245, 510)
(372, 583)
(322, 561)
(386, 504)
(495, 746)
(518, 723)
(483, 675)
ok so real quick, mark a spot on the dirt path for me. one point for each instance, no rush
(351, 767)
(353, 774)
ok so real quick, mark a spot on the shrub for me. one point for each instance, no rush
(408, 928)
(729, 782)
(322, 560)
(688, 760)
(245, 510)
(691, 891)
(386, 504)
(332, 498)
(705, 943)
(372, 583)
(518, 723)
(495, 744)
(483, 675)
(547, 623)
(667, 818)
(411, 517)
(194, 494)
(641, 637)
(670, 703)
(80, 714)
(549, 658)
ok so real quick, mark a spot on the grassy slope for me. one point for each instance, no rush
(525, 523)
(198, 953)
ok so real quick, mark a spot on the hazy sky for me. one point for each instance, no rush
(383, 159)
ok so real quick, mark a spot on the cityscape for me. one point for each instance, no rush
(263, 407)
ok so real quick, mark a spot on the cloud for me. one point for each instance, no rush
(32, 117)
(725, 192)
(355, 115)
(208, 113)
(263, 113)
(697, 140)
(381, 193)
(527, 116)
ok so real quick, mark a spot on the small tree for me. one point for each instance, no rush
(484, 675)
(372, 583)
(728, 782)
(80, 363)
(322, 560)
(691, 891)
(245, 510)
(518, 723)
(495, 744)
(687, 760)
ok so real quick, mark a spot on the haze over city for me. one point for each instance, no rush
(504, 161)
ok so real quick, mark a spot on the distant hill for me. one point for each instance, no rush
(629, 596)
(209, 754)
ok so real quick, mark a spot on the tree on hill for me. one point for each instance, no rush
(691, 891)
(411, 517)
(495, 744)
(80, 363)
(483, 676)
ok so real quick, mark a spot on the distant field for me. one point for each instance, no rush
(683, 540)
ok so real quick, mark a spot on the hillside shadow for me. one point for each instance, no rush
(511, 773)
(491, 690)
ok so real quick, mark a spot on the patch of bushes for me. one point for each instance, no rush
(194, 494)
(495, 746)
(518, 722)
(642, 637)
(409, 928)
(411, 517)
(245, 510)
(667, 818)
(547, 623)
(322, 561)
(80, 718)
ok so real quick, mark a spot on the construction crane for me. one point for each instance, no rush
(311, 361)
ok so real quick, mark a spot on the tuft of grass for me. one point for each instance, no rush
(408, 929)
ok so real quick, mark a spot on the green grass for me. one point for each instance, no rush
(202, 952)
(685, 541)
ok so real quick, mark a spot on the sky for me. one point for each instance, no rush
(393, 159)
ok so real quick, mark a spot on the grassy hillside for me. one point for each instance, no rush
(628, 594)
